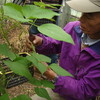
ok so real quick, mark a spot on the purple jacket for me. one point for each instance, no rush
(83, 64)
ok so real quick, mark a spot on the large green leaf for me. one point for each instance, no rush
(41, 67)
(59, 70)
(32, 11)
(14, 11)
(4, 50)
(22, 97)
(37, 62)
(33, 60)
(47, 83)
(18, 68)
(41, 57)
(23, 60)
(13, 5)
(4, 97)
(55, 32)
(42, 93)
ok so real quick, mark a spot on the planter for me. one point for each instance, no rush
(13, 79)
(50, 1)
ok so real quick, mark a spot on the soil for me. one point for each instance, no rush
(25, 88)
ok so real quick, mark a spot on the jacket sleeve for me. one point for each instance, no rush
(49, 46)
(82, 89)
(52, 46)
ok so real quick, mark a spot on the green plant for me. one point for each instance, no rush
(20, 65)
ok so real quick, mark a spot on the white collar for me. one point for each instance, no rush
(86, 40)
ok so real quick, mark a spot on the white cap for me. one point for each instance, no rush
(85, 5)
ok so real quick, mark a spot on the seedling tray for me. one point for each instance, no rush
(13, 79)
(44, 21)
(50, 1)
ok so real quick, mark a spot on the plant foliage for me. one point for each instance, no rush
(29, 12)
(20, 65)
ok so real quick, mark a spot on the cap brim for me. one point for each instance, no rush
(83, 6)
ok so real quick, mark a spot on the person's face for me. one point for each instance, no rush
(90, 23)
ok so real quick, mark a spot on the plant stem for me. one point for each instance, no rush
(3, 32)
(5, 1)
(2, 81)
(33, 23)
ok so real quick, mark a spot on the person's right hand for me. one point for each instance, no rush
(35, 40)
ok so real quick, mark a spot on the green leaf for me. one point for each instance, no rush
(17, 7)
(22, 97)
(41, 4)
(4, 97)
(55, 32)
(47, 83)
(19, 68)
(23, 60)
(41, 57)
(4, 50)
(33, 60)
(42, 93)
(32, 11)
(41, 67)
(55, 4)
(59, 70)
(2, 78)
(34, 81)
(2, 89)
(14, 11)
(44, 5)
(2, 82)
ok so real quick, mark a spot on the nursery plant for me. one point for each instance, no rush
(18, 64)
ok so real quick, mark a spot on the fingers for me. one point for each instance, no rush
(31, 37)
(36, 70)
(50, 74)
(35, 40)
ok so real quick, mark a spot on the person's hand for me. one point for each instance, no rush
(50, 74)
(36, 40)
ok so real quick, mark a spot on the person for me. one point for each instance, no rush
(33, 31)
(82, 60)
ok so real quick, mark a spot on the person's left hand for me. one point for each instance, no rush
(50, 74)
